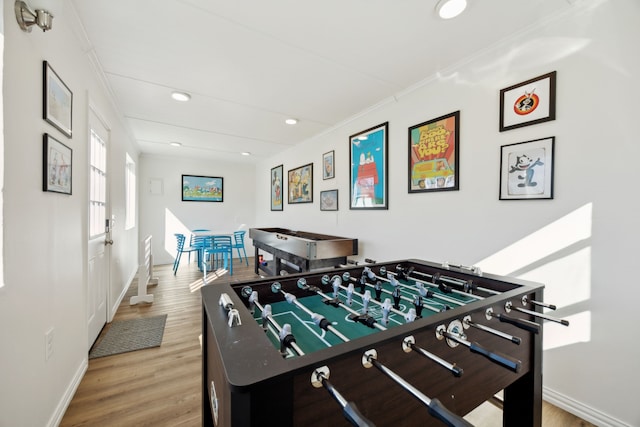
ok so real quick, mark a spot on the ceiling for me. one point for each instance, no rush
(250, 64)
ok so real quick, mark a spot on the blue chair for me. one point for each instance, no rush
(238, 243)
(199, 242)
(180, 239)
(220, 248)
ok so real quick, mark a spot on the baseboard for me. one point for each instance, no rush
(580, 410)
(56, 418)
(118, 301)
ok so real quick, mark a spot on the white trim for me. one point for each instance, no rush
(580, 410)
(63, 404)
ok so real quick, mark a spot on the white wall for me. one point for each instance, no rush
(581, 245)
(165, 213)
(45, 233)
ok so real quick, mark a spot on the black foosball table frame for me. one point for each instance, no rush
(247, 382)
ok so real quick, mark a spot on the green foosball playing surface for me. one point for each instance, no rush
(310, 337)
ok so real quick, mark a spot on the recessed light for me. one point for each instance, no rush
(448, 9)
(176, 144)
(181, 96)
(245, 153)
(291, 121)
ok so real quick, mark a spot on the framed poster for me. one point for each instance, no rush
(368, 166)
(434, 150)
(57, 100)
(300, 184)
(198, 188)
(276, 188)
(528, 103)
(526, 170)
(56, 165)
(328, 165)
(329, 200)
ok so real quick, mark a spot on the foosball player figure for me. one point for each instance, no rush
(335, 283)
(350, 290)
(378, 289)
(424, 292)
(365, 301)
(403, 273)
(396, 292)
(365, 319)
(469, 286)
(334, 302)
(411, 315)
(252, 301)
(386, 308)
(417, 303)
(286, 339)
(362, 283)
(266, 312)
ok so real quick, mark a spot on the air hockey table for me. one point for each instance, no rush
(406, 342)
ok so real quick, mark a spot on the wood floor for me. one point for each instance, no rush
(161, 386)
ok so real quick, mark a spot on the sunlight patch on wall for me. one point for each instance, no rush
(556, 335)
(558, 256)
(562, 233)
(567, 280)
(173, 225)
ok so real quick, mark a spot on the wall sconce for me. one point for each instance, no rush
(27, 17)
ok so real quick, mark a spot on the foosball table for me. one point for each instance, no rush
(410, 343)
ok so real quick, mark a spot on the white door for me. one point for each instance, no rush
(99, 231)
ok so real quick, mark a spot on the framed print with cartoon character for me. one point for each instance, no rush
(526, 170)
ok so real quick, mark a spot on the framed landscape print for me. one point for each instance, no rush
(368, 166)
(57, 100)
(528, 103)
(300, 184)
(276, 188)
(434, 148)
(198, 188)
(57, 166)
(526, 170)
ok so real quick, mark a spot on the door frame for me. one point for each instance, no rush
(94, 114)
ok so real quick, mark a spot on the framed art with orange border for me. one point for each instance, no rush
(434, 153)
(528, 103)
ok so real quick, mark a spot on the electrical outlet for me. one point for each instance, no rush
(48, 344)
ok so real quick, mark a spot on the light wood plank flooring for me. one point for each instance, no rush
(161, 386)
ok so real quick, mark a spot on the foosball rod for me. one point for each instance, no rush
(508, 306)
(322, 322)
(431, 285)
(406, 274)
(512, 365)
(320, 378)
(273, 323)
(455, 281)
(526, 300)
(466, 321)
(396, 311)
(527, 325)
(302, 284)
(435, 408)
(409, 343)
(386, 291)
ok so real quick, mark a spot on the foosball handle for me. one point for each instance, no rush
(512, 365)
(353, 415)
(437, 410)
(520, 323)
